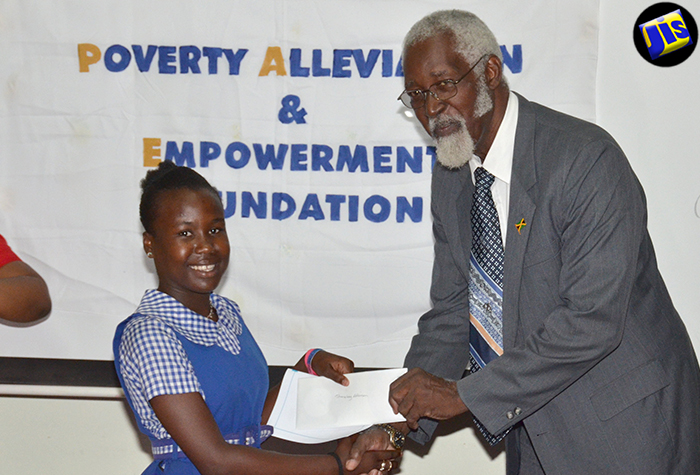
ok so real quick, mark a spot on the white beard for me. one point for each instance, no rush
(455, 150)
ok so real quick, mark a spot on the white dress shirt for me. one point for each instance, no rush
(499, 162)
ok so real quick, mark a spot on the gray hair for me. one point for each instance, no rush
(472, 37)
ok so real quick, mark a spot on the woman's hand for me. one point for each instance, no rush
(332, 366)
(373, 462)
(329, 365)
(324, 364)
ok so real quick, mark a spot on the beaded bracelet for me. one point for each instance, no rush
(337, 460)
(307, 360)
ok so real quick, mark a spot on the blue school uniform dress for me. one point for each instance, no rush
(165, 348)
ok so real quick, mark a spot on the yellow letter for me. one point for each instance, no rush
(273, 62)
(88, 54)
(151, 152)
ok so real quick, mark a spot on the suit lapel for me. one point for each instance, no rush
(463, 205)
(457, 221)
(521, 210)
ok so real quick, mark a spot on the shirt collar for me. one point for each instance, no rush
(193, 326)
(499, 159)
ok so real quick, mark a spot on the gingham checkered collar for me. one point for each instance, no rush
(195, 327)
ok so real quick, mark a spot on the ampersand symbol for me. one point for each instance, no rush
(290, 110)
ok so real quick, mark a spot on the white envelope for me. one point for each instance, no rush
(311, 409)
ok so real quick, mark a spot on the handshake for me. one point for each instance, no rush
(358, 410)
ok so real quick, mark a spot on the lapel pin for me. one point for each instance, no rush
(519, 225)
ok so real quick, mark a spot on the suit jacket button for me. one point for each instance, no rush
(518, 411)
(510, 414)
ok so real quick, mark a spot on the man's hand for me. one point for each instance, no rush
(419, 394)
(370, 440)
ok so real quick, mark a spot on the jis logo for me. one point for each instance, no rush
(665, 34)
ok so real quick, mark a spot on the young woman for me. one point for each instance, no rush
(191, 371)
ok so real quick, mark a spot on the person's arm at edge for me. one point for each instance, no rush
(188, 420)
(24, 296)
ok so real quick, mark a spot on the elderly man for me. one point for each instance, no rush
(575, 353)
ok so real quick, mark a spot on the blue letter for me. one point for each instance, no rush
(234, 60)
(399, 68)
(403, 208)
(365, 67)
(514, 62)
(358, 159)
(680, 29)
(124, 58)
(666, 31)
(335, 201)
(295, 68)
(380, 157)
(384, 208)
(186, 157)
(316, 68)
(213, 54)
(353, 207)
(166, 55)
(277, 211)
(403, 158)
(248, 203)
(144, 62)
(311, 208)
(341, 60)
(320, 157)
(208, 151)
(241, 148)
(268, 156)
(298, 157)
(656, 48)
(387, 62)
(189, 59)
(230, 208)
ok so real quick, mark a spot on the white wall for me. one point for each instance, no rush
(653, 113)
(650, 111)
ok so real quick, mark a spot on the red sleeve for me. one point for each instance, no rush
(6, 254)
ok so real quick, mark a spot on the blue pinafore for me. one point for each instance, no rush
(235, 387)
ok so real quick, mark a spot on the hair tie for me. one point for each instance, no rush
(337, 460)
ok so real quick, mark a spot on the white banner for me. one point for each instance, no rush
(287, 107)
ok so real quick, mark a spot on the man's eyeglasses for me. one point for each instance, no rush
(443, 90)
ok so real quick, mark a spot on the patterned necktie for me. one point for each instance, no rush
(485, 283)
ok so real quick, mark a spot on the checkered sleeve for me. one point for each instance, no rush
(154, 363)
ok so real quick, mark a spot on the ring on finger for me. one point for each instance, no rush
(386, 466)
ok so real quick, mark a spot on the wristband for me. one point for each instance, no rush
(337, 460)
(307, 360)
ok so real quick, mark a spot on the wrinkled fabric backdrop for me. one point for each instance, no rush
(289, 108)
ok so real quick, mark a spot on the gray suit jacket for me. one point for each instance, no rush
(597, 363)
